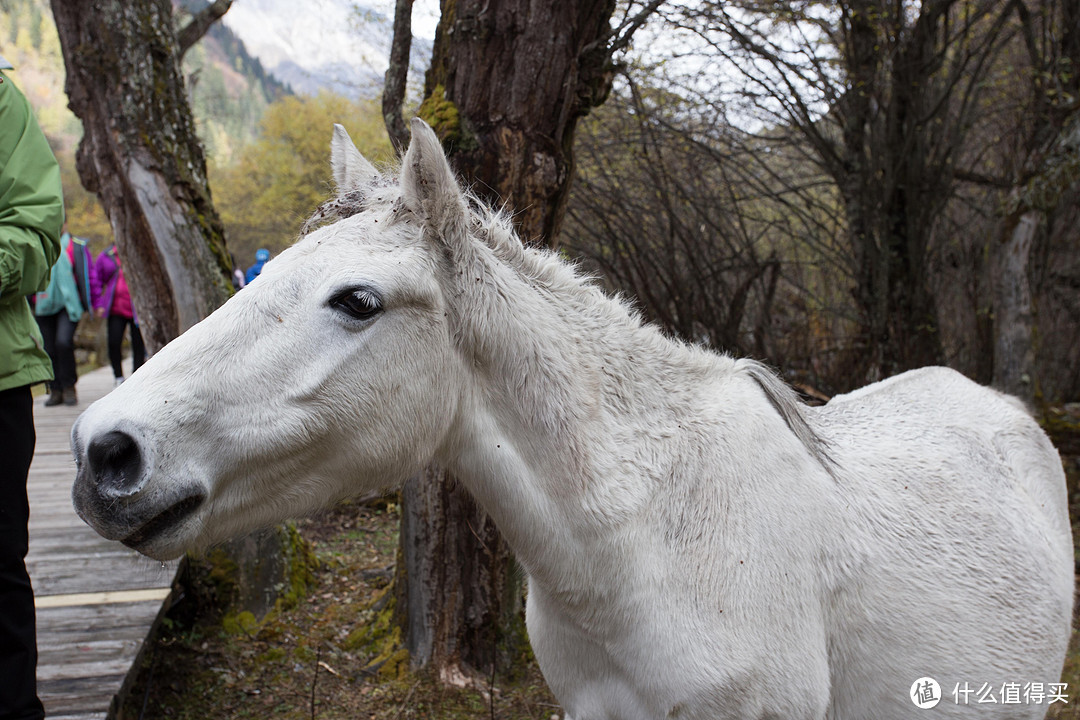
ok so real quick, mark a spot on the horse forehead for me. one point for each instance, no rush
(371, 248)
(360, 241)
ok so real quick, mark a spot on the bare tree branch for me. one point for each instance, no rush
(623, 34)
(977, 178)
(397, 74)
(200, 23)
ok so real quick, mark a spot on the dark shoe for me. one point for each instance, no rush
(55, 398)
(70, 398)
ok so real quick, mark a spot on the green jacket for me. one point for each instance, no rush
(31, 215)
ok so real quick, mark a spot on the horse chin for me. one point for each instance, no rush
(162, 548)
(160, 527)
(164, 536)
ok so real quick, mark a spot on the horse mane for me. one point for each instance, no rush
(350, 203)
(789, 406)
(540, 266)
(546, 269)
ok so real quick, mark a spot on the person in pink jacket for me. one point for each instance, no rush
(114, 303)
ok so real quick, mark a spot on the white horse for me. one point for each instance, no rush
(698, 544)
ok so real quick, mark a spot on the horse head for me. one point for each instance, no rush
(334, 372)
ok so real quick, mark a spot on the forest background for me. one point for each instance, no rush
(701, 194)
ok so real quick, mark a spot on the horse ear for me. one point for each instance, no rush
(429, 188)
(352, 171)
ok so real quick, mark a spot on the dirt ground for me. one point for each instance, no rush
(317, 659)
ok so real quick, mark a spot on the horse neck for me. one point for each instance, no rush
(566, 385)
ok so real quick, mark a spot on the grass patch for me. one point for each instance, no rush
(333, 655)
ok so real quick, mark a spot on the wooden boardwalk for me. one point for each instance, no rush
(96, 599)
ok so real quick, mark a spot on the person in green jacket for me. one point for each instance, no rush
(31, 214)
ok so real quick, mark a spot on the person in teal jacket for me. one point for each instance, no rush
(31, 215)
(72, 287)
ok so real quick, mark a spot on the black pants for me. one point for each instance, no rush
(18, 643)
(59, 334)
(115, 331)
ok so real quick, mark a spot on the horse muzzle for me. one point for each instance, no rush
(117, 494)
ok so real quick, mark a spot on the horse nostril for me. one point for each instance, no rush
(116, 463)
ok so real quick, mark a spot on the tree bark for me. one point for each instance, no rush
(508, 81)
(397, 75)
(1051, 168)
(894, 177)
(507, 84)
(449, 544)
(1014, 318)
(141, 156)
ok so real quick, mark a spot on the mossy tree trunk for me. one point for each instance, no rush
(140, 155)
(457, 588)
(507, 85)
(508, 82)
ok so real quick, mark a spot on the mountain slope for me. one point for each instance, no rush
(228, 88)
(337, 45)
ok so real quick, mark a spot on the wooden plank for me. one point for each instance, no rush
(105, 659)
(48, 533)
(97, 600)
(54, 520)
(52, 537)
(92, 694)
(95, 573)
(108, 597)
(61, 550)
(52, 501)
(92, 645)
(78, 621)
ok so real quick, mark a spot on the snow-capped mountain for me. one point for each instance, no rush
(340, 45)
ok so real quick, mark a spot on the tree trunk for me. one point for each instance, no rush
(1052, 167)
(509, 80)
(1014, 317)
(454, 611)
(139, 153)
(894, 172)
(141, 156)
(397, 75)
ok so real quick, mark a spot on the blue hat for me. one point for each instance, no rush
(262, 255)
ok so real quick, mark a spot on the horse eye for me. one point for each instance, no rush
(361, 304)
